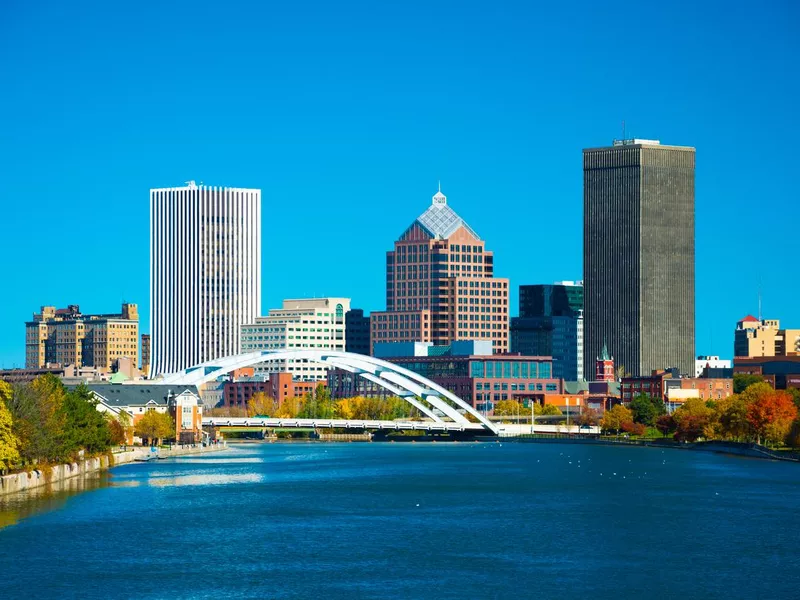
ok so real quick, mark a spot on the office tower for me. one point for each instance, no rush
(356, 331)
(205, 272)
(301, 324)
(440, 285)
(550, 323)
(638, 255)
(65, 336)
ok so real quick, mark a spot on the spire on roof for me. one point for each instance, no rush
(439, 197)
(604, 355)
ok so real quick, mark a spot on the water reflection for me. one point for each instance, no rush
(205, 479)
(21, 505)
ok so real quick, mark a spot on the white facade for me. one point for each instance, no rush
(205, 272)
(712, 361)
(303, 324)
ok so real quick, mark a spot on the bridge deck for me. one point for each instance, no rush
(338, 424)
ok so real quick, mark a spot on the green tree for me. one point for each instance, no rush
(646, 409)
(9, 444)
(85, 428)
(741, 381)
(155, 426)
(615, 418)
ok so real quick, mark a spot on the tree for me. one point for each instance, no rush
(155, 426)
(85, 428)
(646, 409)
(508, 408)
(692, 419)
(634, 428)
(546, 409)
(39, 419)
(620, 372)
(795, 393)
(741, 381)
(9, 444)
(665, 424)
(261, 405)
(615, 418)
(771, 416)
(588, 417)
(732, 417)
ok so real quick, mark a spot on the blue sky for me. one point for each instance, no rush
(346, 115)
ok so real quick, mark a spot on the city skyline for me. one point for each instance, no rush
(366, 136)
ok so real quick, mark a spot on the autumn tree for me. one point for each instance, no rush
(615, 418)
(261, 405)
(546, 410)
(732, 418)
(155, 426)
(588, 417)
(692, 420)
(9, 444)
(508, 408)
(771, 416)
(665, 424)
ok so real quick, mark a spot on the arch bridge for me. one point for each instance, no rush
(444, 411)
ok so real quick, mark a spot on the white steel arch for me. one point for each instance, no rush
(412, 387)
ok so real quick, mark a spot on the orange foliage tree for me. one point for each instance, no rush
(771, 415)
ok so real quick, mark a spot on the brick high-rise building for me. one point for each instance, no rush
(66, 336)
(440, 285)
(638, 255)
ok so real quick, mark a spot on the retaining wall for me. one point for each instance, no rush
(19, 482)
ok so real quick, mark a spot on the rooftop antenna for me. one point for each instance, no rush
(440, 186)
(623, 130)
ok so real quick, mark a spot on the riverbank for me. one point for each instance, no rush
(751, 450)
(19, 482)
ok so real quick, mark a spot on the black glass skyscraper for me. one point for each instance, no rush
(638, 255)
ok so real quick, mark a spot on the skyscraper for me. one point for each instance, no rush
(440, 285)
(638, 255)
(550, 323)
(205, 272)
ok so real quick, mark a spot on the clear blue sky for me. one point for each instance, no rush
(346, 114)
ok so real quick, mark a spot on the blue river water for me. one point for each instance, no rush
(414, 520)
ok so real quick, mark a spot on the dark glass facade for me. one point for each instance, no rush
(356, 331)
(638, 255)
(549, 324)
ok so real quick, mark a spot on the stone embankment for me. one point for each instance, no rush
(19, 482)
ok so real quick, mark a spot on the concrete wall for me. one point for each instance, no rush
(19, 482)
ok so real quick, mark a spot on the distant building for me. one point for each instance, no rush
(550, 323)
(440, 285)
(781, 372)
(278, 386)
(754, 338)
(146, 354)
(65, 336)
(604, 366)
(663, 385)
(301, 324)
(712, 362)
(638, 254)
(356, 335)
(205, 272)
(467, 368)
(181, 403)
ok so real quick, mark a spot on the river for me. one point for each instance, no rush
(413, 520)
